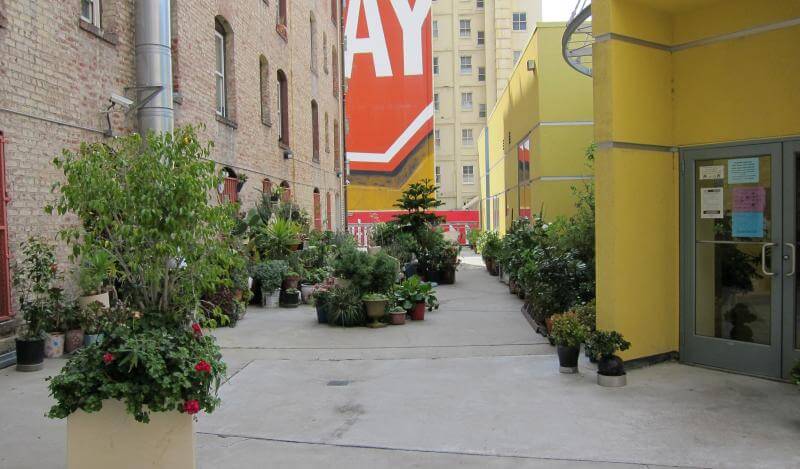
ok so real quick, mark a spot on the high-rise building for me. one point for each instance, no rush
(476, 44)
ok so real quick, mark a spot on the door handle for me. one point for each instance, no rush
(792, 248)
(764, 259)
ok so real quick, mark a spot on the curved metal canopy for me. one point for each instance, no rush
(576, 45)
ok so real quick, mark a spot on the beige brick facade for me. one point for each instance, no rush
(58, 71)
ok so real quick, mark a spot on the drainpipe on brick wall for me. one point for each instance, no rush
(154, 66)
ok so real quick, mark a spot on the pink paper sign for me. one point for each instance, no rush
(749, 199)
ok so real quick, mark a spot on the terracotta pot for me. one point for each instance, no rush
(291, 282)
(398, 318)
(73, 340)
(295, 247)
(54, 344)
(237, 295)
(418, 312)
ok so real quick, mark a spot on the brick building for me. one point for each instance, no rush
(261, 76)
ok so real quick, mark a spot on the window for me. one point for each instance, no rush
(481, 73)
(266, 186)
(329, 210)
(466, 101)
(90, 12)
(437, 137)
(436, 102)
(335, 71)
(312, 25)
(481, 110)
(219, 70)
(283, 109)
(263, 69)
(466, 64)
(464, 28)
(315, 131)
(435, 28)
(324, 54)
(286, 191)
(466, 137)
(438, 174)
(436, 65)
(468, 174)
(336, 158)
(481, 38)
(520, 21)
(327, 136)
(517, 55)
(317, 210)
(479, 4)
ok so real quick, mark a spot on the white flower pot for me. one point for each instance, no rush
(306, 292)
(102, 298)
(111, 438)
(272, 301)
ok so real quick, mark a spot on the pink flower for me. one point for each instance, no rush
(108, 358)
(191, 406)
(202, 367)
(198, 331)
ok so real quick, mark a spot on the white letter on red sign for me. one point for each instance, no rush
(374, 44)
(411, 22)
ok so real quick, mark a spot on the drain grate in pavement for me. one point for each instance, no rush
(338, 382)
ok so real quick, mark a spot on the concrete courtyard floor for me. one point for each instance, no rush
(472, 386)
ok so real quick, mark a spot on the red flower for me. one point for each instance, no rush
(191, 406)
(202, 367)
(108, 358)
(198, 331)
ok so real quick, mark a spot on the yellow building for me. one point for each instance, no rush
(697, 121)
(531, 153)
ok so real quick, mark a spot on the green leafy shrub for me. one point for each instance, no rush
(587, 315)
(270, 275)
(604, 344)
(345, 307)
(490, 245)
(384, 273)
(35, 277)
(412, 291)
(568, 330)
(473, 237)
(150, 370)
(356, 266)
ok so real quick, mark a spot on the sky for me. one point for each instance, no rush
(557, 10)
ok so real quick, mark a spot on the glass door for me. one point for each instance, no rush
(791, 236)
(731, 245)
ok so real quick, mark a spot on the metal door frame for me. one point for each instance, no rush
(790, 354)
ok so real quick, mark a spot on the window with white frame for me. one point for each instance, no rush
(481, 73)
(466, 64)
(481, 38)
(468, 174)
(481, 110)
(520, 21)
(436, 65)
(436, 102)
(435, 28)
(219, 70)
(517, 55)
(479, 4)
(437, 137)
(466, 100)
(438, 174)
(466, 137)
(464, 28)
(90, 12)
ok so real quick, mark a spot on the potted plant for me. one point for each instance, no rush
(291, 280)
(568, 333)
(269, 276)
(321, 299)
(610, 367)
(290, 298)
(490, 246)
(473, 235)
(92, 317)
(345, 307)
(34, 276)
(415, 296)
(449, 263)
(97, 266)
(376, 308)
(73, 320)
(397, 316)
(353, 267)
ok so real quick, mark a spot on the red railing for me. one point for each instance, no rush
(360, 224)
(5, 277)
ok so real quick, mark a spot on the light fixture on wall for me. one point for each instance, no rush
(531, 65)
(288, 155)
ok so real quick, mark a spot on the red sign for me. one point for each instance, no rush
(388, 61)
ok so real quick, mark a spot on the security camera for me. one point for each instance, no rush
(121, 101)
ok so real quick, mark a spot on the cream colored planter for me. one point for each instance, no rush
(102, 298)
(111, 438)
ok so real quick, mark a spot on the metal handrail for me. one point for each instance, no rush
(578, 26)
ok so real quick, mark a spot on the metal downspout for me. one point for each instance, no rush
(153, 38)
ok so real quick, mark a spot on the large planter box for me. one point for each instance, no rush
(111, 438)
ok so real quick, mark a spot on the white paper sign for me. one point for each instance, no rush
(711, 202)
(712, 172)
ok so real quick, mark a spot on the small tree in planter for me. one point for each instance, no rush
(418, 201)
(568, 333)
(610, 368)
(147, 203)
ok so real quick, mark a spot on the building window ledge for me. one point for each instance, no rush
(266, 122)
(106, 36)
(229, 122)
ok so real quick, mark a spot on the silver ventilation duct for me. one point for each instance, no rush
(154, 66)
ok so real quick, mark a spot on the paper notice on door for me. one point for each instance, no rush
(749, 199)
(712, 172)
(748, 224)
(711, 202)
(743, 171)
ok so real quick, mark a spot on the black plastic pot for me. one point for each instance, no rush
(611, 366)
(433, 276)
(289, 300)
(448, 275)
(322, 314)
(30, 354)
(568, 358)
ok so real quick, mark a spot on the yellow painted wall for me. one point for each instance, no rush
(553, 106)
(740, 89)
